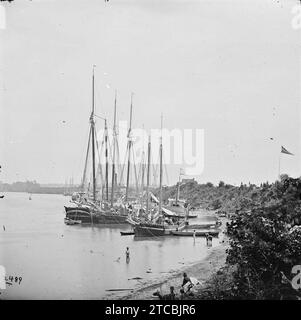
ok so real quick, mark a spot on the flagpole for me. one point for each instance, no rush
(279, 166)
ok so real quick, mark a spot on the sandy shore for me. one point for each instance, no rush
(202, 270)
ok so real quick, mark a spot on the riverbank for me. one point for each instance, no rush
(202, 270)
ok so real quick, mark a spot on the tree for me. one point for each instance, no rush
(266, 242)
(221, 184)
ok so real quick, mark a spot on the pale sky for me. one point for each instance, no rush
(230, 67)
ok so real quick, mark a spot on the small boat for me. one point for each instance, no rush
(203, 225)
(127, 233)
(200, 233)
(192, 216)
(71, 222)
(157, 229)
(1, 197)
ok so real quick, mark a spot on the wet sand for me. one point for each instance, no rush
(201, 270)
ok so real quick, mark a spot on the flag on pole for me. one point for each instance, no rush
(283, 150)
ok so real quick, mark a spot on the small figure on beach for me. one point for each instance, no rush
(183, 294)
(186, 284)
(209, 240)
(127, 255)
(3, 227)
(170, 296)
(194, 235)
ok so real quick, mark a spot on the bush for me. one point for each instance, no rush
(266, 241)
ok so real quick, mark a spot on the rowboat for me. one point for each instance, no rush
(156, 230)
(127, 233)
(202, 225)
(199, 233)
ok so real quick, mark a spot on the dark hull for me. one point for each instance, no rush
(127, 233)
(79, 214)
(180, 216)
(85, 209)
(85, 216)
(149, 231)
(111, 219)
(202, 233)
(155, 230)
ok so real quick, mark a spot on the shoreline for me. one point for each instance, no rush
(202, 270)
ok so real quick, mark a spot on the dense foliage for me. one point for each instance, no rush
(265, 242)
(224, 196)
(264, 234)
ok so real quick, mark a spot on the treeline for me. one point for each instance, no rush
(264, 255)
(33, 187)
(20, 186)
(208, 196)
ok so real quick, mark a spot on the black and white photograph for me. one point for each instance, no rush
(150, 150)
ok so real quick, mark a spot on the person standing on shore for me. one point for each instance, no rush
(207, 235)
(187, 284)
(209, 240)
(127, 255)
(194, 234)
(185, 279)
(170, 296)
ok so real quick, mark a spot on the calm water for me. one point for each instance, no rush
(57, 261)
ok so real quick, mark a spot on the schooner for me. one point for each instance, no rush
(88, 208)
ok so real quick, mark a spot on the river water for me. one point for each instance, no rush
(54, 261)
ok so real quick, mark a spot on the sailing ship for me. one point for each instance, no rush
(89, 209)
(154, 223)
(177, 207)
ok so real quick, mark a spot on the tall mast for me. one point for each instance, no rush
(114, 147)
(142, 171)
(93, 138)
(178, 188)
(148, 174)
(161, 152)
(107, 161)
(129, 151)
(142, 164)
(86, 162)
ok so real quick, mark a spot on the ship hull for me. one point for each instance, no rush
(154, 230)
(111, 219)
(202, 233)
(141, 231)
(85, 215)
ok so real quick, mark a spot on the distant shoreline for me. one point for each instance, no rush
(36, 192)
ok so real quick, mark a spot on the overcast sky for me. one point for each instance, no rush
(230, 67)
